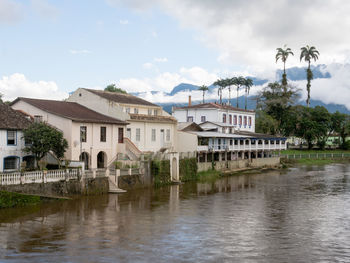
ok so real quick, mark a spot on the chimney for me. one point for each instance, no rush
(189, 100)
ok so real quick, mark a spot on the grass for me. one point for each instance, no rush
(9, 199)
(210, 175)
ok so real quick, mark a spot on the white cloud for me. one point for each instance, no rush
(10, 12)
(247, 33)
(17, 85)
(148, 65)
(124, 22)
(79, 51)
(160, 60)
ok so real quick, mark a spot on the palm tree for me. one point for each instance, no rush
(204, 89)
(238, 82)
(248, 83)
(308, 53)
(229, 82)
(221, 84)
(283, 55)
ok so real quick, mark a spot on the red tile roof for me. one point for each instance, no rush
(213, 106)
(71, 110)
(12, 119)
(122, 98)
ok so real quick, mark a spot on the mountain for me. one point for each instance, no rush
(297, 73)
(183, 87)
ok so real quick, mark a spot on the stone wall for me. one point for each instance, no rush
(89, 186)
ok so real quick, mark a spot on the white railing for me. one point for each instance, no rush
(244, 147)
(202, 148)
(38, 176)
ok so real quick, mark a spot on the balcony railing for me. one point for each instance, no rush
(239, 147)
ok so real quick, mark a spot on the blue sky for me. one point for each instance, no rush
(51, 47)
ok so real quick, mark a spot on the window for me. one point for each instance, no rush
(138, 134)
(153, 135)
(203, 119)
(149, 111)
(120, 135)
(190, 119)
(223, 130)
(38, 118)
(128, 133)
(155, 112)
(224, 118)
(83, 133)
(103, 134)
(127, 110)
(240, 120)
(11, 137)
(168, 134)
(250, 121)
(235, 120)
(230, 119)
(136, 110)
(230, 130)
(11, 163)
(245, 120)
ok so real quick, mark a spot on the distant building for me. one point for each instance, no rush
(92, 137)
(12, 123)
(149, 128)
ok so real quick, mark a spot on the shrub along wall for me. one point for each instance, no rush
(188, 169)
(160, 171)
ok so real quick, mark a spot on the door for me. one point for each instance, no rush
(162, 138)
(120, 135)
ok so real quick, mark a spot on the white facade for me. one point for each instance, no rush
(236, 119)
(92, 147)
(150, 128)
(11, 152)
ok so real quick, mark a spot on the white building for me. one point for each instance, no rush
(92, 137)
(211, 114)
(11, 139)
(149, 128)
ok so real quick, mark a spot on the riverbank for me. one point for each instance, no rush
(9, 199)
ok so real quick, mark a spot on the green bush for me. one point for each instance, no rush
(188, 169)
(160, 170)
(118, 165)
(8, 199)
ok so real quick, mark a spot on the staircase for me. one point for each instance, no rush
(131, 150)
(113, 186)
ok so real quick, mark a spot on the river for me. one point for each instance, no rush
(298, 215)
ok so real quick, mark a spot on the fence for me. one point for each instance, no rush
(316, 156)
(39, 176)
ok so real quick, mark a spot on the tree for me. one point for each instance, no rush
(265, 123)
(308, 53)
(42, 139)
(204, 89)
(248, 83)
(340, 123)
(238, 82)
(283, 55)
(276, 100)
(113, 88)
(221, 83)
(1, 98)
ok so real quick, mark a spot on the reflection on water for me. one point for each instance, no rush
(300, 215)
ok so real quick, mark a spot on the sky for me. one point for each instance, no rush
(49, 48)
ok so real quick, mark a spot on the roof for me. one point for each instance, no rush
(152, 118)
(121, 97)
(12, 119)
(188, 126)
(212, 105)
(71, 110)
(220, 124)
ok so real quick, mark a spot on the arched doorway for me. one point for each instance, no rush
(84, 157)
(30, 161)
(101, 160)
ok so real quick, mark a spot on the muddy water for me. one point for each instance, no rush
(299, 215)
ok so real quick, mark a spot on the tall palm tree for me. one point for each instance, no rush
(248, 83)
(204, 89)
(221, 84)
(283, 55)
(229, 82)
(238, 82)
(308, 53)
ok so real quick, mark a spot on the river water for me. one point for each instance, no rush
(298, 215)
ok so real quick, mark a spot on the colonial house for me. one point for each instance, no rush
(93, 138)
(222, 134)
(11, 139)
(149, 129)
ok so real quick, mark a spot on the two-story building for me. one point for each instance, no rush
(92, 137)
(149, 128)
(12, 143)
(223, 134)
